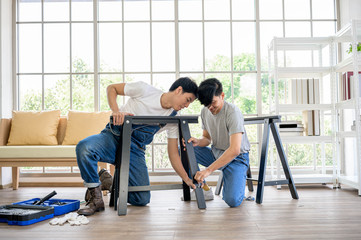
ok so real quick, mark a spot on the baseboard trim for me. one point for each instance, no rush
(80, 184)
(51, 184)
(9, 185)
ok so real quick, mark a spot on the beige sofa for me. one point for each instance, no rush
(35, 155)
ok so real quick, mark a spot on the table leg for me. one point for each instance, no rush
(192, 162)
(263, 162)
(284, 161)
(219, 184)
(124, 168)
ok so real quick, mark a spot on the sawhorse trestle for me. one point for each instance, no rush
(268, 123)
(119, 196)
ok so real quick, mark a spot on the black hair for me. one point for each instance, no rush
(208, 89)
(188, 85)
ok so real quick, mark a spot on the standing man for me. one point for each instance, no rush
(223, 126)
(143, 100)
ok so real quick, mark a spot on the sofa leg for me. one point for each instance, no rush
(102, 165)
(112, 169)
(15, 172)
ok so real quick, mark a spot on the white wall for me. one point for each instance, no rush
(349, 9)
(6, 92)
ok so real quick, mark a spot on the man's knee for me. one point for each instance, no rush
(85, 154)
(139, 198)
(233, 201)
(81, 150)
(82, 147)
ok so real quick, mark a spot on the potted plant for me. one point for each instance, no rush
(349, 51)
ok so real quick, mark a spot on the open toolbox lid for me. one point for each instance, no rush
(25, 214)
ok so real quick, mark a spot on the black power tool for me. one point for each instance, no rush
(47, 197)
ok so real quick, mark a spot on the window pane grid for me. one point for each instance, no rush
(145, 60)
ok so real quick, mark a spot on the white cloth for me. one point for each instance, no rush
(144, 100)
(73, 218)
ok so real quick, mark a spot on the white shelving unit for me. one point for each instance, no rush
(346, 144)
(319, 69)
(349, 161)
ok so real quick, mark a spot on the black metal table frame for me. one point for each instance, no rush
(268, 123)
(120, 189)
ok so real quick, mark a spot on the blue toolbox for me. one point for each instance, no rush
(36, 210)
(61, 206)
(25, 214)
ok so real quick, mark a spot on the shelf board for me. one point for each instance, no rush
(346, 65)
(345, 34)
(300, 43)
(347, 104)
(345, 134)
(302, 107)
(312, 178)
(351, 181)
(305, 139)
(302, 72)
(305, 178)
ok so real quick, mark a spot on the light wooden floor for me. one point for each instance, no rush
(320, 213)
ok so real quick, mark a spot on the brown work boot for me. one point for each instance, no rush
(106, 179)
(95, 202)
(106, 182)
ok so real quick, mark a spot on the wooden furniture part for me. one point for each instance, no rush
(36, 155)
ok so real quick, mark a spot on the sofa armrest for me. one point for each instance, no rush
(5, 125)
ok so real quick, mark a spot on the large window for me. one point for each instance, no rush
(69, 51)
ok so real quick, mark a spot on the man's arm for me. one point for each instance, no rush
(176, 162)
(228, 155)
(113, 91)
(201, 142)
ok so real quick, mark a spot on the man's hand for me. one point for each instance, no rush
(201, 175)
(194, 141)
(190, 183)
(118, 117)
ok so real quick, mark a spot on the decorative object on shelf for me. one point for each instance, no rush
(306, 91)
(348, 85)
(291, 128)
(311, 121)
(350, 48)
(358, 54)
(353, 127)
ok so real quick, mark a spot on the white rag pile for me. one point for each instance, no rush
(73, 218)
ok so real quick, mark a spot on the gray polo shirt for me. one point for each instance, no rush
(222, 125)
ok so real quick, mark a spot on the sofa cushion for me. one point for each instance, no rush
(34, 128)
(37, 152)
(83, 124)
(61, 129)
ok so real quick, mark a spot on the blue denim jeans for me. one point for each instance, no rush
(103, 147)
(234, 174)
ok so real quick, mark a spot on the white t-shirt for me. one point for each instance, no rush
(145, 101)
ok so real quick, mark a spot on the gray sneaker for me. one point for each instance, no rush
(208, 195)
